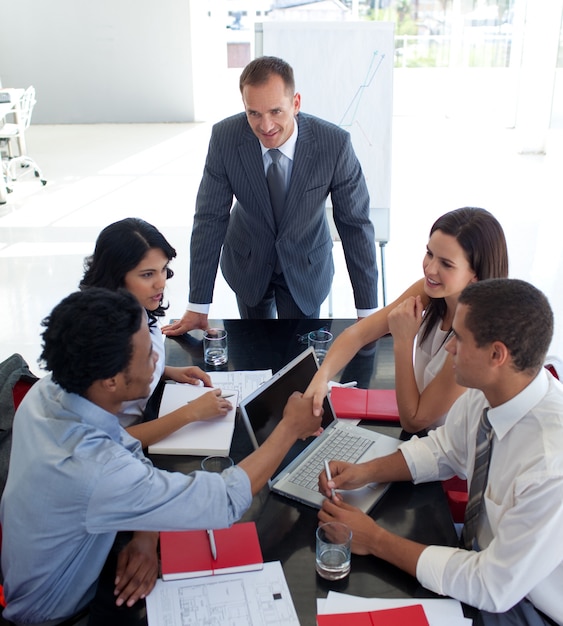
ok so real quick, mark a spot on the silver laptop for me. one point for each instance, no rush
(297, 476)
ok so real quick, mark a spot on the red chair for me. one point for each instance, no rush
(456, 493)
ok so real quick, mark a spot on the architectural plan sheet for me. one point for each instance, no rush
(257, 598)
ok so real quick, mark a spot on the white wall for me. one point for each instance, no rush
(112, 60)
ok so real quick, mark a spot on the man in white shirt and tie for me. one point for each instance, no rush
(513, 568)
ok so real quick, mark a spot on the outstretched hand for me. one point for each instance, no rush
(317, 391)
(190, 321)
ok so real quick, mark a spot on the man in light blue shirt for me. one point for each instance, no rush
(76, 478)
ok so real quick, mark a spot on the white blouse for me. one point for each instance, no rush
(132, 411)
(429, 358)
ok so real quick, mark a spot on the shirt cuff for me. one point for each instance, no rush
(365, 312)
(199, 308)
(431, 567)
(420, 460)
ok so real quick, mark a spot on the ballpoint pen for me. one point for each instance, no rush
(212, 544)
(224, 397)
(329, 477)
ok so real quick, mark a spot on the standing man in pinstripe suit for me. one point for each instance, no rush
(278, 263)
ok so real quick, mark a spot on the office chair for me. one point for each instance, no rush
(13, 165)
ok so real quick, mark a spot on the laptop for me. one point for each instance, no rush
(297, 476)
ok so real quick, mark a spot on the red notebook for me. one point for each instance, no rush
(366, 404)
(413, 615)
(187, 553)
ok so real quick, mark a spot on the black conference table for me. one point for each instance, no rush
(286, 528)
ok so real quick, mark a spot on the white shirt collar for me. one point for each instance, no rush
(505, 416)
(288, 148)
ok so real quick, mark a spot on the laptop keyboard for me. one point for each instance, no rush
(342, 446)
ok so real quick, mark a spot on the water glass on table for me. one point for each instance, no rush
(333, 552)
(216, 463)
(215, 351)
(320, 340)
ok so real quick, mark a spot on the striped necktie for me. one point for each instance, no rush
(483, 450)
(276, 184)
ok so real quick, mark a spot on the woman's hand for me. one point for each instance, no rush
(405, 320)
(208, 406)
(317, 390)
(191, 375)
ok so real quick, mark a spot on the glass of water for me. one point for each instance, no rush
(215, 350)
(216, 463)
(333, 550)
(320, 340)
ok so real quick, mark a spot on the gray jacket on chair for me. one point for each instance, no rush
(13, 369)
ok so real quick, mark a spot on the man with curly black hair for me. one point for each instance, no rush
(77, 479)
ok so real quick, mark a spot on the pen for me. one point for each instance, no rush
(352, 383)
(212, 544)
(225, 396)
(329, 476)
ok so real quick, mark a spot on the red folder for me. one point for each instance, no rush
(187, 553)
(366, 404)
(413, 615)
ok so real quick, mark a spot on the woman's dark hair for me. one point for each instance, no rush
(88, 337)
(120, 247)
(482, 239)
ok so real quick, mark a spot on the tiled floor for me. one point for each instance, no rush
(101, 173)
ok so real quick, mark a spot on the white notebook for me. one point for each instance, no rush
(212, 436)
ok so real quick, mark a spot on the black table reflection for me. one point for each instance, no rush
(287, 528)
(271, 344)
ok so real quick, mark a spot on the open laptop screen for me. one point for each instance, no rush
(263, 409)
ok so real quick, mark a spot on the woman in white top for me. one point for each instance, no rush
(465, 245)
(134, 255)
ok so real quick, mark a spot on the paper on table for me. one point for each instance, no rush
(244, 381)
(439, 611)
(212, 436)
(260, 598)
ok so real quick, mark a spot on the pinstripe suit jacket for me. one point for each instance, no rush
(324, 163)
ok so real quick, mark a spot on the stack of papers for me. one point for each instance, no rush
(438, 611)
(203, 438)
(243, 382)
(210, 436)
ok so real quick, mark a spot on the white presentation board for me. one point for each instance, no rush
(344, 73)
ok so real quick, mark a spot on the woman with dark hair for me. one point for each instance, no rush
(465, 245)
(134, 255)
